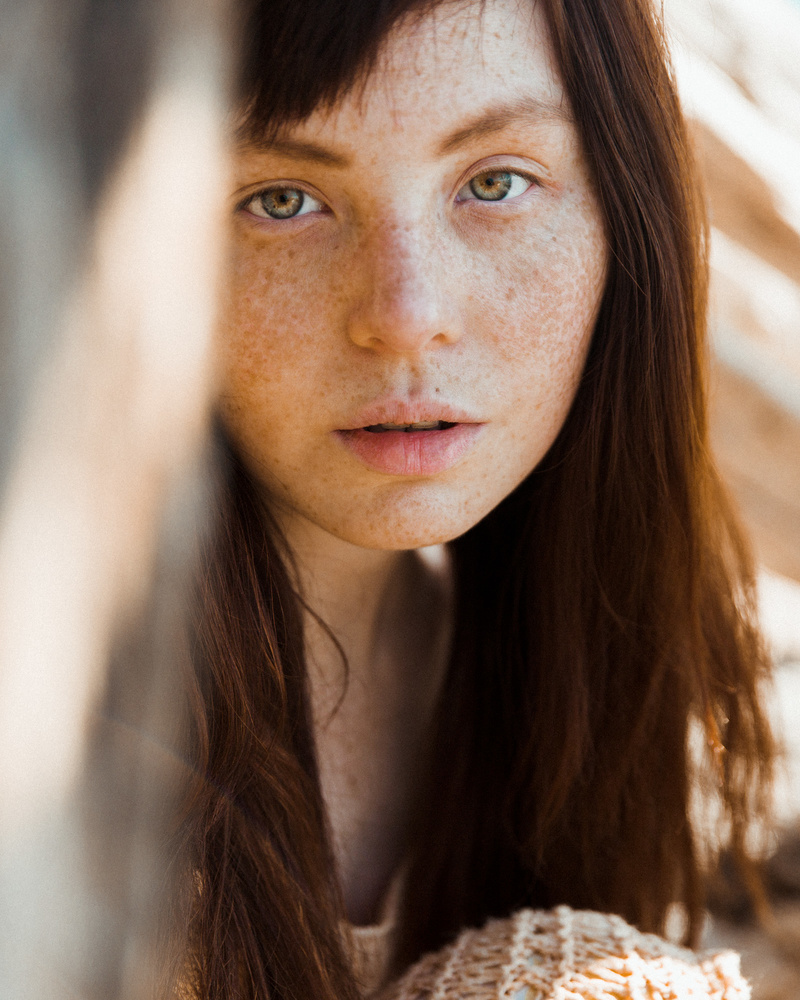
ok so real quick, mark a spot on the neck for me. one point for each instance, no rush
(348, 591)
(389, 614)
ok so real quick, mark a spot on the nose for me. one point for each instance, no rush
(406, 302)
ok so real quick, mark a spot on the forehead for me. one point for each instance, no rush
(452, 63)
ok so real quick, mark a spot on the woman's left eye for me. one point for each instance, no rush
(281, 203)
(495, 185)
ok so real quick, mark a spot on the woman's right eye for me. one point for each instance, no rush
(281, 203)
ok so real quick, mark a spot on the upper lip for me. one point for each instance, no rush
(404, 411)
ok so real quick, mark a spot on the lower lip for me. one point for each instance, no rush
(411, 453)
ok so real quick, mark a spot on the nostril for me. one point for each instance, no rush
(404, 328)
(404, 302)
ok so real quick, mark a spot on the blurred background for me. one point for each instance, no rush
(107, 109)
(112, 180)
(738, 68)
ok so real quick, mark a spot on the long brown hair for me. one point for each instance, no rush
(604, 610)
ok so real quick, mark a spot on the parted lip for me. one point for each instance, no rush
(405, 411)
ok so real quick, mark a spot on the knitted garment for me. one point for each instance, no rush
(370, 950)
(559, 954)
(371, 947)
(566, 954)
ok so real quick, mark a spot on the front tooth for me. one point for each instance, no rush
(425, 425)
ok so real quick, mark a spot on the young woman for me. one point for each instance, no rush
(465, 309)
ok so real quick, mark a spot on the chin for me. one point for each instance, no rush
(413, 524)
(400, 537)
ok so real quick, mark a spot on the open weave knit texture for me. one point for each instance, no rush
(566, 954)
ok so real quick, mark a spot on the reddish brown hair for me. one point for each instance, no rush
(602, 610)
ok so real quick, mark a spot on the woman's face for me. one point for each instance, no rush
(430, 252)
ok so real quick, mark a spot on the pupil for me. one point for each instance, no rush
(282, 203)
(491, 187)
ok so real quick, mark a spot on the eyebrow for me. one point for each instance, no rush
(298, 149)
(524, 110)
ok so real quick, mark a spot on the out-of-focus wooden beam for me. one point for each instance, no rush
(112, 427)
(757, 444)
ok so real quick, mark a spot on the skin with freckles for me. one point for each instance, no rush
(430, 249)
(395, 282)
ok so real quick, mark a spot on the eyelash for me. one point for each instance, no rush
(496, 171)
(245, 204)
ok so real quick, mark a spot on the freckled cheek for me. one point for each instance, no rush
(544, 309)
(538, 327)
(273, 313)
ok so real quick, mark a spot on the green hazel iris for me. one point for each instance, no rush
(282, 203)
(491, 186)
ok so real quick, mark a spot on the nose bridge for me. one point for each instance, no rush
(404, 304)
(402, 261)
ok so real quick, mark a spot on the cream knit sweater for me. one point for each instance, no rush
(559, 954)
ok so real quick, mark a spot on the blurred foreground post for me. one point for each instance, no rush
(106, 341)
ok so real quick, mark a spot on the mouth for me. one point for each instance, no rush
(419, 437)
(420, 449)
(424, 425)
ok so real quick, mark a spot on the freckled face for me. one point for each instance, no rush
(414, 280)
